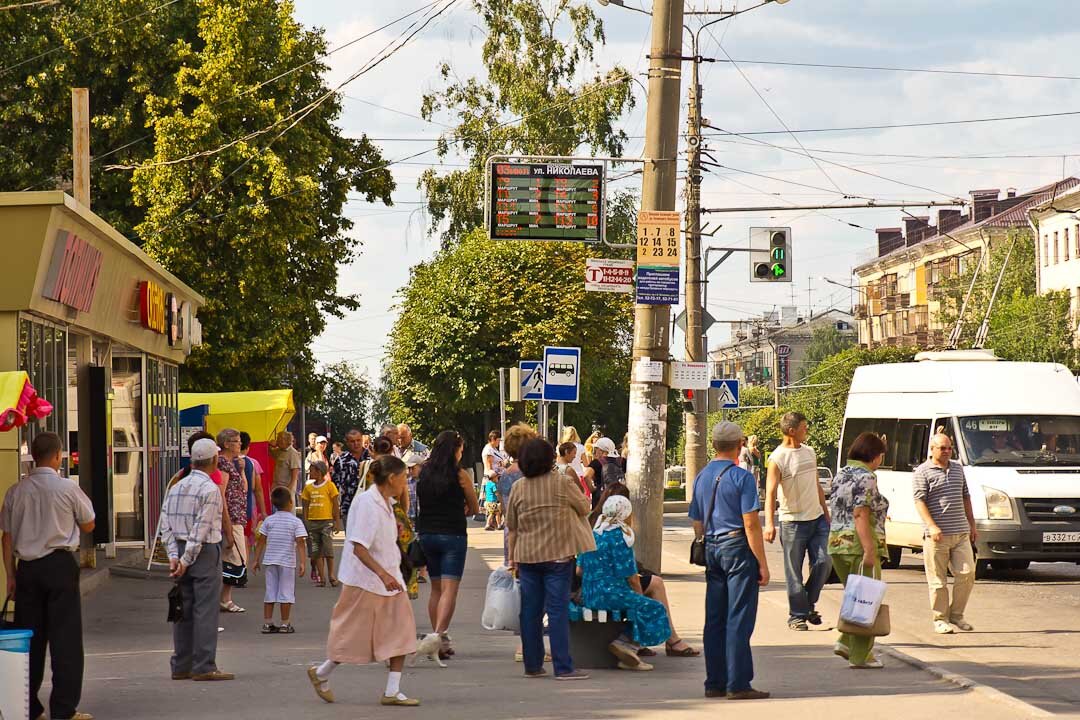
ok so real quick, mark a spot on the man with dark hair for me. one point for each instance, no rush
(349, 469)
(41, 519)
(725, 513)
(190, 527)
(804, 520)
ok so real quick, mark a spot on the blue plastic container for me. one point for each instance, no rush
(17, 641)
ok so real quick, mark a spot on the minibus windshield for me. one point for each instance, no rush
(1020, 440)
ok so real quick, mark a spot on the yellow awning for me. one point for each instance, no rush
(261, 413)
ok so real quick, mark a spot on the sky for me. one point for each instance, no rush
(994, 36)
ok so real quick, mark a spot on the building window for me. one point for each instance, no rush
(1055, 247)
(1065, 245)
(1046, 250)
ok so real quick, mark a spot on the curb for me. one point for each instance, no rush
(965, 683)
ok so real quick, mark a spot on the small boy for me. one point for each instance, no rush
(280, 541)
(492, 506)
(567, 453)
(322, 516)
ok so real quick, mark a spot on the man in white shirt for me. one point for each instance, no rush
(804, 520)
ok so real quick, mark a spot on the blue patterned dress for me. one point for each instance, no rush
(604, 587)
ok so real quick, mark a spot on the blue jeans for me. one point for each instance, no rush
(445, 555)
(545, 587)
(799, 539)
(731, 602)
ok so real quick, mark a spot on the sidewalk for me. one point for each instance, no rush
(128, 646)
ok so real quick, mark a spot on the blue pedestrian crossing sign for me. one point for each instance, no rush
(562, 374)
(729, 392)
(532, 379)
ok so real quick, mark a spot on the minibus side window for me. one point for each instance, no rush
(885, 427)
(913, 439)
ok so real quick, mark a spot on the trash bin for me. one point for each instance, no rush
(15, 674)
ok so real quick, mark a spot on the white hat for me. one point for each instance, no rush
(605, 444)
(204, 449)
(412, 459)
(321, 438)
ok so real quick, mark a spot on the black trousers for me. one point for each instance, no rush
(47, 602)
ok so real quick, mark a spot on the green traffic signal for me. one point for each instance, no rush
(778, 270)
(778, 254)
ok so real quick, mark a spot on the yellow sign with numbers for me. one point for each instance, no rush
(658, 242)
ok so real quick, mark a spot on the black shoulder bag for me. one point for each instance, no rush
(697, 547)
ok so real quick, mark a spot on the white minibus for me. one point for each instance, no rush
(1016, 430)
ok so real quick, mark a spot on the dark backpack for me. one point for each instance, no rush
(613, 473)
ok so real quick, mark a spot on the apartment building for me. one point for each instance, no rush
(1056, 225)
(900, 290)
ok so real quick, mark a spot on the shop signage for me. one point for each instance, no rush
(152, 303)
(73, 273)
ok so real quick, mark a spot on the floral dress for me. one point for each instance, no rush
(405, 535)
(855, 486)
(604, 587)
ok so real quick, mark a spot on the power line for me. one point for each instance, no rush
(934, 71)
(78, 40)
(909, 156)
(894, 126)
(29, 4)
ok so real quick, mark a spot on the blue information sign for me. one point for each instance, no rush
(729, 393)
(657, 285)
(562, 374)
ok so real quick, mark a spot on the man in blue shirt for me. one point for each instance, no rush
(725, 512)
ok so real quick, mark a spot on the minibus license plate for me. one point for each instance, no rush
(1061, 537)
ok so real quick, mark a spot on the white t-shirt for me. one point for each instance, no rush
(498, 459)
(281, 530)
(799, 499)
(577, 465)
(372, 524)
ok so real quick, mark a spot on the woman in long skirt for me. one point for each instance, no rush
(372, 620)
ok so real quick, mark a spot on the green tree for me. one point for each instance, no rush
(825, 341)
(538, 97)
(93, 44)
(483, 304)
(346, 399)
(254, 224)
(1024, 325)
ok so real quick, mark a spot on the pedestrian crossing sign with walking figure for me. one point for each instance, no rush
(728, 393)
(532, 379)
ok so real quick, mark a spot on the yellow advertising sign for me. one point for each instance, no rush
(658, 242)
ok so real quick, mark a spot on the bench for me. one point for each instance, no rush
(591, 631)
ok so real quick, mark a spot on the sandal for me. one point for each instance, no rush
(334, 582)
(687, 651)
(286, 629)
(646, 652)
(231, 607)
(269, 629)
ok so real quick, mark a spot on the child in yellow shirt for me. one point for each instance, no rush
(322, 516)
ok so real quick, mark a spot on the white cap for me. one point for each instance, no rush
(321, 438)
(204, 449)
(605, 444)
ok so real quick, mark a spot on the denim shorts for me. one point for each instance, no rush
(445, 555)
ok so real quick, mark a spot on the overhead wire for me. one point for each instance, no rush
(933, 71)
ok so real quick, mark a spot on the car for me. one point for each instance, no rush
(824, 478)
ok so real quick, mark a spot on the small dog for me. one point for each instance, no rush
(428, 646)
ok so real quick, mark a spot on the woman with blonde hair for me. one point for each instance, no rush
(569, 434)
(596, 435)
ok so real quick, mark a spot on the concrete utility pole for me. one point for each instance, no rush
(696, 421)
(647, 425)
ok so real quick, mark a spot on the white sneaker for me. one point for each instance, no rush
(943, 628)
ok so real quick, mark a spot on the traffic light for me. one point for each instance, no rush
(770, 254)
(687, 397)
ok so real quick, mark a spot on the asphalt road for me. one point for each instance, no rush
(1026, 641)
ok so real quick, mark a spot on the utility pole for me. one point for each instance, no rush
(647, 425)
(696, 421)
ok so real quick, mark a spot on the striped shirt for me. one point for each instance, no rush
(943, 490)
(191, 514)
(548, 516)
(281, 530)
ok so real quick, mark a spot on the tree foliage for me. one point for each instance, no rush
(346, 399)
(1024, 325)
(483, 304)
(537, 56)
(257, 228)
(825, 342)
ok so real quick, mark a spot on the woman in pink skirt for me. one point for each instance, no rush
(372, 620)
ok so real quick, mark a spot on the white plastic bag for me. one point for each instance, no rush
(502, 604)
(862, 599)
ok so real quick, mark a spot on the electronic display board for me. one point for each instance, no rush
(546, 201)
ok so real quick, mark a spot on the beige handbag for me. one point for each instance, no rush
(881, 627)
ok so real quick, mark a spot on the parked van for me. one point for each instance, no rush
(1016, 430)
